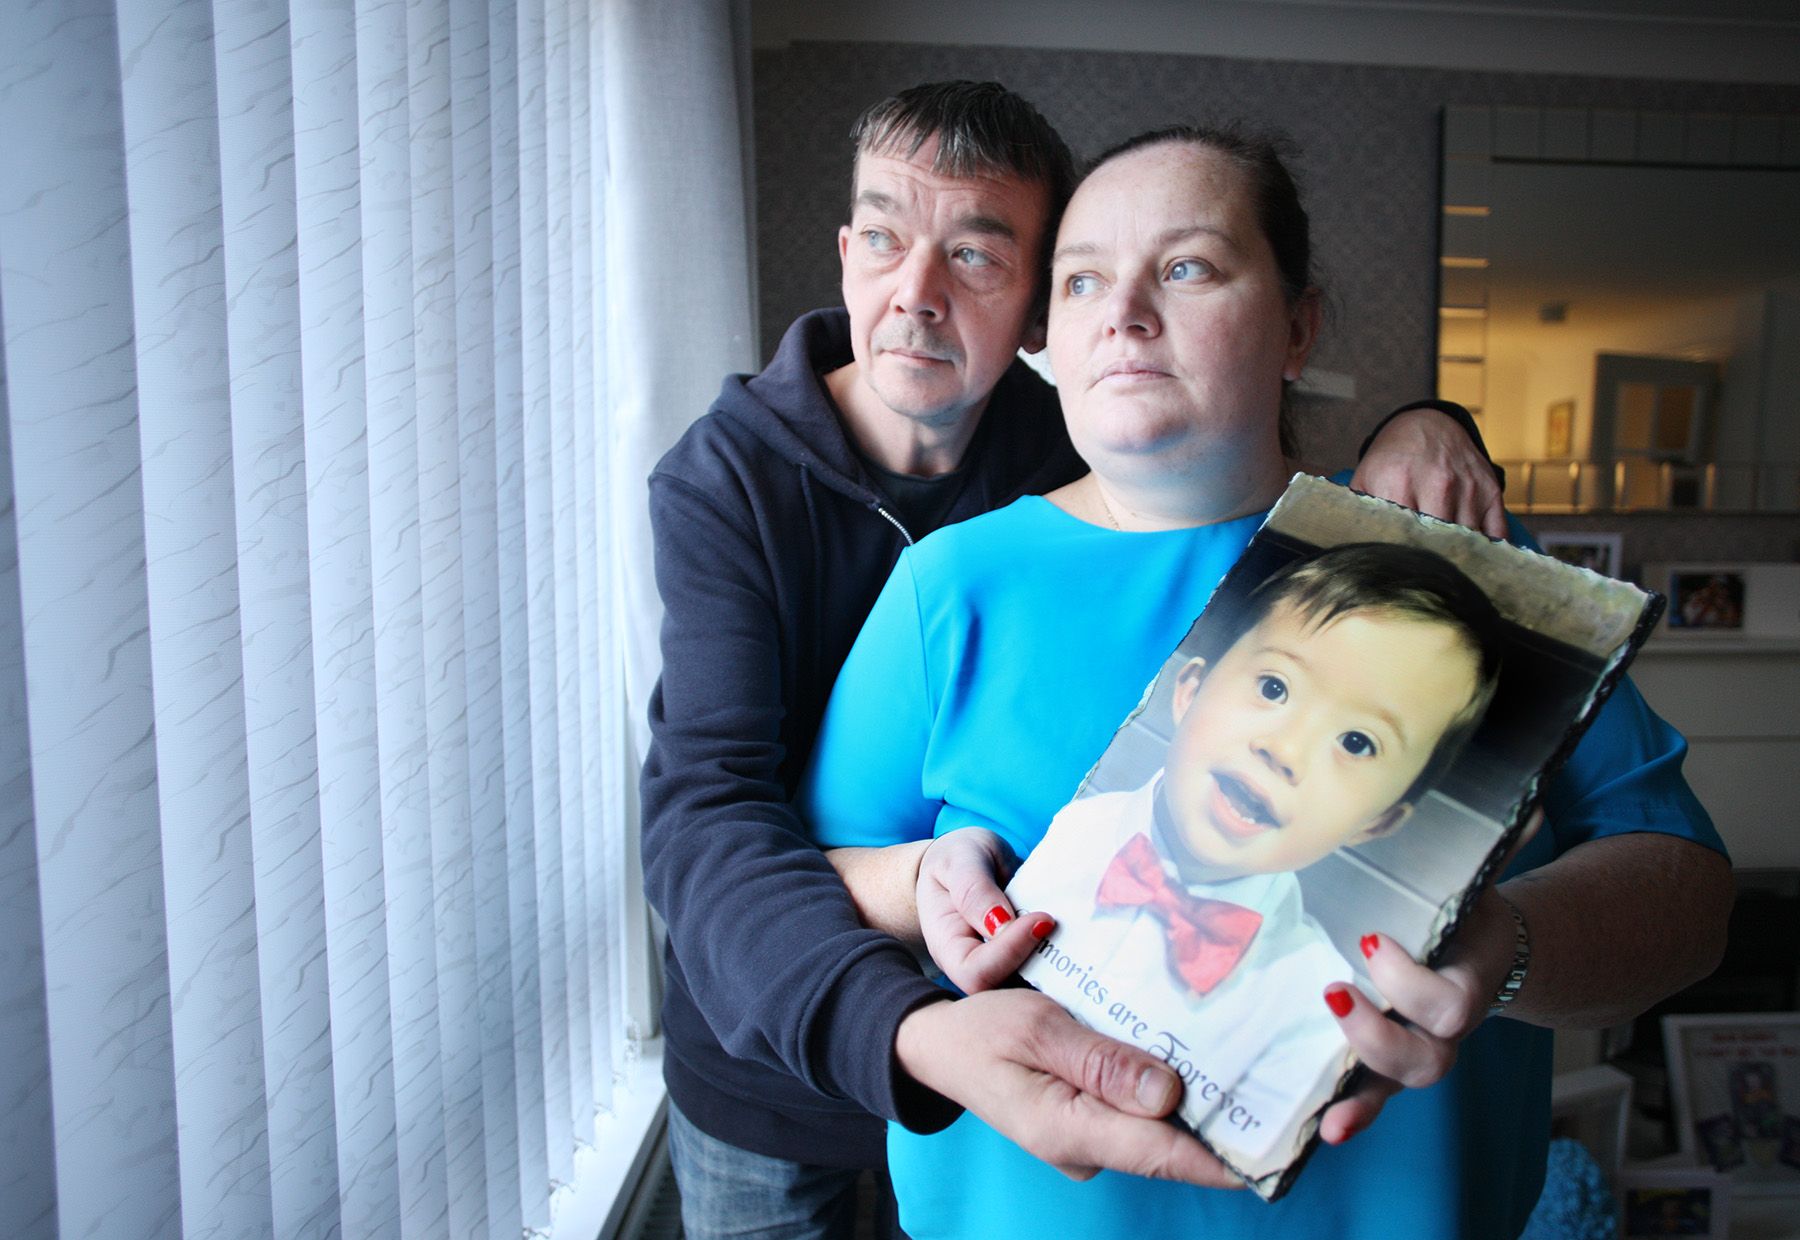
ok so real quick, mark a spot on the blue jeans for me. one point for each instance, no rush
(731, 1194)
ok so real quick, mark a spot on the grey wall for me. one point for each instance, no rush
(1369, 163)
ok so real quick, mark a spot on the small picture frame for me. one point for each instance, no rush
(1734, 1080)
(1727, 600)
(1707, 600)
(1603, 552)
(1673, 1201)
(1559, 429)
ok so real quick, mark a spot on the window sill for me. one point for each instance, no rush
(607, 1174)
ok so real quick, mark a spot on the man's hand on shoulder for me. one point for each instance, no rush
(1423, 459)
(1077, 1100)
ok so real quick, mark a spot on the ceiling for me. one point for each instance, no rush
(1779, 14)
(1687, 40)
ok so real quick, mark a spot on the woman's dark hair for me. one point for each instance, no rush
(1262, 158)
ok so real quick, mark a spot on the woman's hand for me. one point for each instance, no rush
(1424, 460)
(970, 927)
(1440, 1006)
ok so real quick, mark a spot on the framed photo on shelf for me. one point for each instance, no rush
(1737, 599)
(1734, 1080)
(1673, 1201)
(1707, 599)
(1559, 429)
(1602, 552)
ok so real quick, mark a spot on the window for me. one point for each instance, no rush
(323, 593)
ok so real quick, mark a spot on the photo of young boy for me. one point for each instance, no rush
(1345, 741)
(1347, 683)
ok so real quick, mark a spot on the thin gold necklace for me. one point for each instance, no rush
(1110, 514)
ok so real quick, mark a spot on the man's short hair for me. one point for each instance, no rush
(981, 128)
(1395, 579)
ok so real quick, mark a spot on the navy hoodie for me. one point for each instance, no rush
(772, 542)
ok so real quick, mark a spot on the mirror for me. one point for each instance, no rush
(1619, 302)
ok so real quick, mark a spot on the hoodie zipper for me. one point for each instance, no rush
(895, 522)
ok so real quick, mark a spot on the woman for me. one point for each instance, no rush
(1004, 652)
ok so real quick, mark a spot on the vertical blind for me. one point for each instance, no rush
(323, 598)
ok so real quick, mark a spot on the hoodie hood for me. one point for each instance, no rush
(788, 408)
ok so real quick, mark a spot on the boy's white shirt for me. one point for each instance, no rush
(1262, 1036)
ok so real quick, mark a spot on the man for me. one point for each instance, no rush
(777, 518)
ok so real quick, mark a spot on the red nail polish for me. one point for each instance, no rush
(1042, 929)
(1369, 944)
(997, 917)
(1349, 1132)
(1339, 1002)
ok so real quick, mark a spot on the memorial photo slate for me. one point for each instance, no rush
(1349, 739)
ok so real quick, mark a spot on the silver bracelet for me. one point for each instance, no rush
(1521, 961)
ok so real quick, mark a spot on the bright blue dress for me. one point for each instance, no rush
(991, 674)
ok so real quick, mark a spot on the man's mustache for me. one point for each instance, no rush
(915, 337)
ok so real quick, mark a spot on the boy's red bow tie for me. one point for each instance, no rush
(1206, 937)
